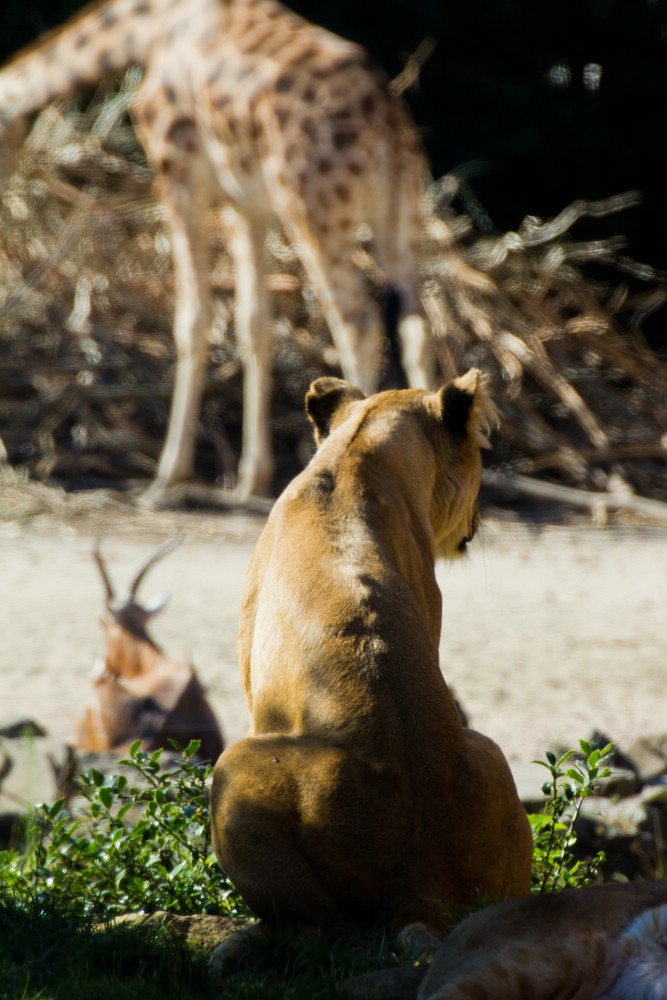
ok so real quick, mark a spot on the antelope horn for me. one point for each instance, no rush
(155, 557)
(108, 586)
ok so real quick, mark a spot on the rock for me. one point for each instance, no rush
(648, 756)
(632, 832)
(529, 778)
(621, 783)
(12, 729)
(204, 931)
(12, 831)
(27, 774)
(43, 769)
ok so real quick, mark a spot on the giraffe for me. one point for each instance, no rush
(245, 103)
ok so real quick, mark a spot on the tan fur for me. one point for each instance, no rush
(583, 944)
(244, 101)
(358, 796)
(138, 693)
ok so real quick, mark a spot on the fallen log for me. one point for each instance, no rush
(510, 484)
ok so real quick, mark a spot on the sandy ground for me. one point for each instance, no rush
(548, 633)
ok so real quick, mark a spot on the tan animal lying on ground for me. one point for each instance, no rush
(138, 692)
(603, 943)
(359, 797)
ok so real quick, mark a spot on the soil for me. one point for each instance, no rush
(550, 632)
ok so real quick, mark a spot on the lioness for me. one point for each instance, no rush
(358, 795)
(607, 942)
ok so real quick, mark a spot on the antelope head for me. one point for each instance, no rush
(129, 650)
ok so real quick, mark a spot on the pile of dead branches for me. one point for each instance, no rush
(86, 357)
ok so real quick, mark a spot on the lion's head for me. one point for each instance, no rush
(422, 447)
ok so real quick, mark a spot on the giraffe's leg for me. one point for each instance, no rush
(417, 352)
(185, 204)
(253, 332)
(191, 322)
(353, 318)
(397, 231)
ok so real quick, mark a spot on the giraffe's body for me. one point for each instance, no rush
(245, 102)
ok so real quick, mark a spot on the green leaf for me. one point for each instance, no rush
(105, 796)
(124, 810)
(55, 808)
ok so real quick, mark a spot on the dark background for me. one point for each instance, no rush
(503, 99)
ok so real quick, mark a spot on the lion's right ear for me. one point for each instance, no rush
(467, 408)
(326, 401)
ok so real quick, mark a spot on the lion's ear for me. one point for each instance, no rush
(467, 408)
(325, 401)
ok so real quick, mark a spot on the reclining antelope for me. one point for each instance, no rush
(246, 102)
(138, 692)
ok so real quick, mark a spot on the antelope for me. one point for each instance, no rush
(138, 692)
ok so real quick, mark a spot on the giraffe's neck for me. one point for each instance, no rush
(200, 41)
(106, 37)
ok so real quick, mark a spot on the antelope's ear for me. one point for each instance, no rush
(467, 409)
(156, 604)
(327, 400)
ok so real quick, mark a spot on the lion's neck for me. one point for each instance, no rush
(386, 531)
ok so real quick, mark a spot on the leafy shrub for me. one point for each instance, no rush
(572, 778)
(145, 845)
(140, 844)
(137, 846)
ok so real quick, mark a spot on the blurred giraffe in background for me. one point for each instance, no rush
(245, 102)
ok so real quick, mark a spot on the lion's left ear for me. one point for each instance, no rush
(467, 408)
(326, 401)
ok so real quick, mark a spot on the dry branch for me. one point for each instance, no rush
(86, 357)
(654, 510)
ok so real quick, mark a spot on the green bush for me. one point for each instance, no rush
(141, 845)
(145, 845)
(572, 778)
